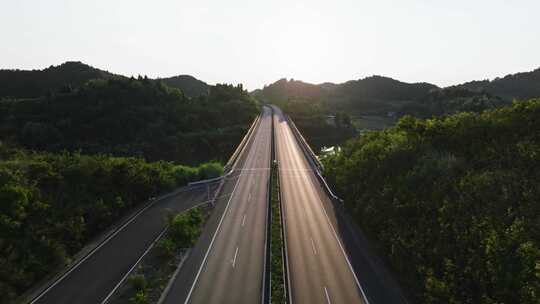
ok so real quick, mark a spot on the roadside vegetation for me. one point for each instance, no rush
(452, 203)
(53, 204)
(80, 148)
(146, 284)
(277, 278)
(131, 117)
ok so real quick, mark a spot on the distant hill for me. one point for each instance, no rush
(374, 94)
(450, 101)
(35, 83)
(73, 74)
(283, 90)
(520, 85)
(378, 95)
(189, 85)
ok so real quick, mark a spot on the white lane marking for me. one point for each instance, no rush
(134, 265)
(243, 220)
(234, 259)
(253, 169)
(313, 246)
(211, 244)
(327, 296)
(249, 196)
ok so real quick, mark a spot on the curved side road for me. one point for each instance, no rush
(93, 279)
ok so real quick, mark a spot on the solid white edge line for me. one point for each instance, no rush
(313, 246)
(134, 265)
(211, 244)
(327, 296)
(235, 255)
(344, 253)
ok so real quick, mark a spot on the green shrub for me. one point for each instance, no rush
(139, 298)
(185, 227)
(166, 247)
(138, 282)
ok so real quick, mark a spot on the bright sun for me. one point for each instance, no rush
(300, 47)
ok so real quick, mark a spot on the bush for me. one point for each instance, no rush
(185, 227)
(139, 298)
(166, 247)
(138, 282)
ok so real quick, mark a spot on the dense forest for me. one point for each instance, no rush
(451, 202)
(52, 204)
(131, 117)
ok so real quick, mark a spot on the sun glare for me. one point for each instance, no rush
(300, 47)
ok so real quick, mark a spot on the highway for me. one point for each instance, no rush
(92, 280)
(319, 269)
(227, 265)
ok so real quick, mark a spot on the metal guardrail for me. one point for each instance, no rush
(230, 163)
(206, 181)
(314, 160)
(303, 142)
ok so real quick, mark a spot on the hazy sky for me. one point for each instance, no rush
(255, 43)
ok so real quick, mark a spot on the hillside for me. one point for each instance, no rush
(374, 95)
(451, 202)
(520, 85)
(189, 85)
(73, 74)
(35, 83)
(451, 100)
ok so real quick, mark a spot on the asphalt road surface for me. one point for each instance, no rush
(319, 269)
(94, 279)
(227, 265)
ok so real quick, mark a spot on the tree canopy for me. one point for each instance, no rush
(451, 202)
(132, 117)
